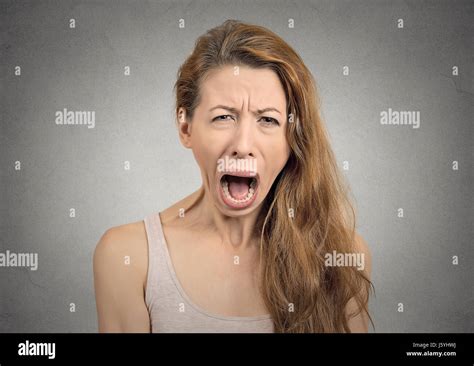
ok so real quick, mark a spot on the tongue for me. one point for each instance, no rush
(238, 186)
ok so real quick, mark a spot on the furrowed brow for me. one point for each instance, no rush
(234, 110)
(230, 109)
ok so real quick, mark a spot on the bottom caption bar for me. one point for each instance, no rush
(416, 348)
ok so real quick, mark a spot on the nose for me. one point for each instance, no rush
(243, 143)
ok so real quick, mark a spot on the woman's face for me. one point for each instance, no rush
(238, 137)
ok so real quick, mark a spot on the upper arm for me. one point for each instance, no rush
(118, 284)
(360, 322)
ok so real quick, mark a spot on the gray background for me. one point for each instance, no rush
(390, 166)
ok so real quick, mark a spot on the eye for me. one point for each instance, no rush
(219, 118)
(270, 121)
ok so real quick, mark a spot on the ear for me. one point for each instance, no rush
(184, 128)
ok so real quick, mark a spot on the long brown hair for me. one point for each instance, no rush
(307, 212)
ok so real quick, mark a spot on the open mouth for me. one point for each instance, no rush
(238, 191)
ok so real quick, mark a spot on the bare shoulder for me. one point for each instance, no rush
(120, 268)
(358, 320)
(124, 235)
(361, 246)
(125, 248)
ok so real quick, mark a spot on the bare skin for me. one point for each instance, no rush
(205, 243)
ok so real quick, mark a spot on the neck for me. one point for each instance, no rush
(236, 233)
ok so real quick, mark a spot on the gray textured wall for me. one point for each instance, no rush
(390, 167)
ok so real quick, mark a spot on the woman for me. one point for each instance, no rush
(250, 250)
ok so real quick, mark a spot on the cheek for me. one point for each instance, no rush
(279, 153)
(205, 151)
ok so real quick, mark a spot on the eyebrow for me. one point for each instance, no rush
(234, 110)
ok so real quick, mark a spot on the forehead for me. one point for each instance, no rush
(232, 85)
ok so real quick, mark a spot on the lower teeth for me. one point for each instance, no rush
(250, 194)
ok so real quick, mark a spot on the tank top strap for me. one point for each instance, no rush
(157, 276)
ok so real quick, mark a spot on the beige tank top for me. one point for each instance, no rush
(170, 309)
